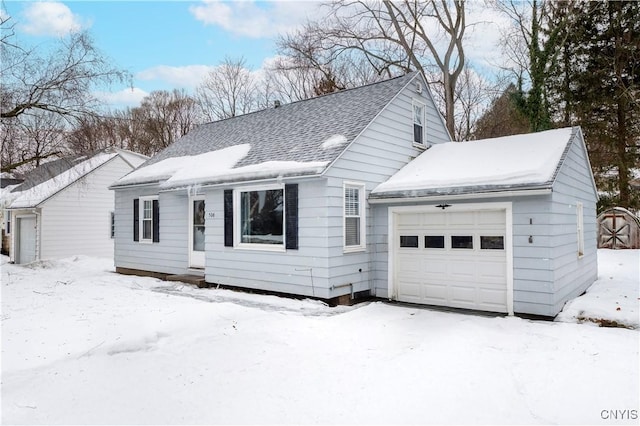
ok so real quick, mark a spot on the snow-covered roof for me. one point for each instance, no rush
(524, 161)
(297, 139)
(50, 178)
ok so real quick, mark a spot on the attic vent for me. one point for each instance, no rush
(419, 87)
(276, 103)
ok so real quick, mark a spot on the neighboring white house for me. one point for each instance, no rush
(311, 198)
(64, 207)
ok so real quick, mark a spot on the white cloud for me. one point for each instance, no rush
(51, 18)
(187, 77)
(129, 97)
(253, 19)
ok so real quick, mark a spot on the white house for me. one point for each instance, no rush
(64, 207)
(311, 199)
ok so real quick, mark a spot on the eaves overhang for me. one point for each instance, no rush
(471, 193)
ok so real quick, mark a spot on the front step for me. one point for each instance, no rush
(189, 279)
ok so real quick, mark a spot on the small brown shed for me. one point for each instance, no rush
(618, 228)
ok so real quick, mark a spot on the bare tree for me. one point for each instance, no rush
(27, 142)
(392, 37)
(228, 90)
(60, 82)
(473, 96)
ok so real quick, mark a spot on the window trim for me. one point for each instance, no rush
(7, 225)
(414, 103)
(361, 187)
(141, 219)
(580, 228)
(237, 219)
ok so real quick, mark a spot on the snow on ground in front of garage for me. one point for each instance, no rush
(83, 345)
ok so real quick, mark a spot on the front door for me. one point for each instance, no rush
(26, 239)
(196, 232)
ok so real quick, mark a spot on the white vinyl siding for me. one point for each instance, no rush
(171, 254)
(73, 220)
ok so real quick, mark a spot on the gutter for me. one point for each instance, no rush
(242, 182)
(472, 196)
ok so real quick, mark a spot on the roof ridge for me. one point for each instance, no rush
(350, 89)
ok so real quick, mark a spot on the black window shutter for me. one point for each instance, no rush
(156, 221)
(136, 219)
(228, 218)
(291, 214)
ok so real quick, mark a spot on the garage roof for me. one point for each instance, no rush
(528, 161)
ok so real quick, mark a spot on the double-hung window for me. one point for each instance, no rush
(418, 123)
(146, 220)
(354, 217)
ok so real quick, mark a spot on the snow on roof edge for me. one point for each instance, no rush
(530, 159)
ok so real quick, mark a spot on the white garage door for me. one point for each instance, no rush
(452, 258)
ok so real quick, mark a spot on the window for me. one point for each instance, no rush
(491, 243)
(113, 224)
(8, 223)
(418, 122)
(262, 217)
(434, 241)
(146, 220)
(462, 242)
(409, 241)
(580, 221)
(354, 226)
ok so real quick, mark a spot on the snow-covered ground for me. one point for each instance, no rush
(83, 345)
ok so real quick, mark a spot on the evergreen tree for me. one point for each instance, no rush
(604, 90)
(502, 118)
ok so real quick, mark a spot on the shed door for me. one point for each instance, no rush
(452, 258)
(26, 239)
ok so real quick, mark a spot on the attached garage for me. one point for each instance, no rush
(503, 225)
(458, 257)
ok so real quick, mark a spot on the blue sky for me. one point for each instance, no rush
(173, 44)
(163, 44)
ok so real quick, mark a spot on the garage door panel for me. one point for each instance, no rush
(495, 297)
(435, 293)
(492, 270)
(460, 218)
(472, 277)
(411, 291)
(491, 217)
(460, 270)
